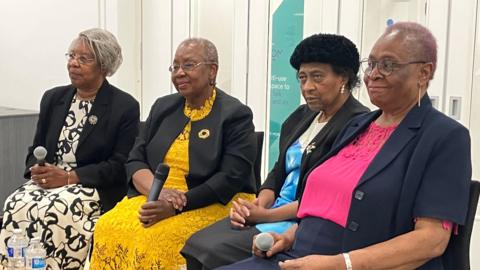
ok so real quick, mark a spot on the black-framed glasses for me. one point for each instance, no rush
(81, 59)
(189, 66)
(385, 66)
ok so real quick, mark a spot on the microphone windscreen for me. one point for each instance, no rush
(264, 241)
(40, 153)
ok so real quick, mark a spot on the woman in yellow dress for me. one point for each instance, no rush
(207, 138)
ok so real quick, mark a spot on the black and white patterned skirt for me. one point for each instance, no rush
(63, 217)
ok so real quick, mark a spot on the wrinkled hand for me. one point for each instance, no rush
(315, 262)
(153, 212)
(48, 176)
(280, 243)
(175, 197)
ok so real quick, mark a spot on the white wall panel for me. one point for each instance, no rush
(258, 80)
(437, 20)
(239, 57)
(313, 17)
(156, 51)
(350, 20)
(460, 56)
(123, 18)
(330, 17)
(214, 20)
(181, 23)
(258, 54)
(34, 41)
(474, 125)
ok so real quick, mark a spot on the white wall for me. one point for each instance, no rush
(35, 35)
(33, 45)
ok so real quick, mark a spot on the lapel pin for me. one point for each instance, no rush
(204, 133)
(310, 148)
(92, 119)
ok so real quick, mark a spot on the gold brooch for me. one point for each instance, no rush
(92, 119)
(204, 133)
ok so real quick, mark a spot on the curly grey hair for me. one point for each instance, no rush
(104, 47)
(210, 51)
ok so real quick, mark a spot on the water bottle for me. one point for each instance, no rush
(16, 247)
(36, 254)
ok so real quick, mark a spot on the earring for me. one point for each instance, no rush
(342, 90)
(212, 82)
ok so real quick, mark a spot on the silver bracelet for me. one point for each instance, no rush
(348, 262)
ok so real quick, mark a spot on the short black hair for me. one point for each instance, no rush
(336, 50)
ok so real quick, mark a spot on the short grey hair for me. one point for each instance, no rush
(210, 51)
(105, 48)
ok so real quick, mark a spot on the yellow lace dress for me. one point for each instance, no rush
(121, 242)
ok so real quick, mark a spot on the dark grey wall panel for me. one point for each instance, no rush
(17, 128)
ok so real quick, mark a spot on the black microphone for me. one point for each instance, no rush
(264, 241)
(161, 174)
(40, 153)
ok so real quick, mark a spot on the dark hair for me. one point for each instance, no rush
(336, 50)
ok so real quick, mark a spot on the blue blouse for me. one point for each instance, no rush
(287, 194)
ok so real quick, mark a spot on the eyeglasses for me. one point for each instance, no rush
(189, 66)
(385, 66)
(82, 60)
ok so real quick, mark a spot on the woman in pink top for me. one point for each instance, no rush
(382, 198)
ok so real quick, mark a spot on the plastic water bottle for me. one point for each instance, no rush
(16, 246)
(36, 254)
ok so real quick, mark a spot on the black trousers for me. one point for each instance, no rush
(218, 245)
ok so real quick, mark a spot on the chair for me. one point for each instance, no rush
(257, 166)
(457, 255)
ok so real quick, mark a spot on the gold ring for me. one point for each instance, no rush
(44, 181)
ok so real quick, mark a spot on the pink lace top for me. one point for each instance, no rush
(329, 188)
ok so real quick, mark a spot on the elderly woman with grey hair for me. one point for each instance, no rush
(87, 129)
(207, 138)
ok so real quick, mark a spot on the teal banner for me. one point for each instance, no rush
(287, 32)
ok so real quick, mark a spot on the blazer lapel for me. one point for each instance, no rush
(163, 137)
(57, 120)
(305, 123)
(339, 119)
(99, 108)
(406, 131)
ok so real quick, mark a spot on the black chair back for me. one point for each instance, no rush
(257, 166)
(457, 255)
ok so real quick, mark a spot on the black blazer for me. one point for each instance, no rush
(295, 126)
(422, 170)
(221, 165)
(103, 148)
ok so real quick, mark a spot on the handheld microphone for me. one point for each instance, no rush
(161, 174)
(264, 241)
(40, 153)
